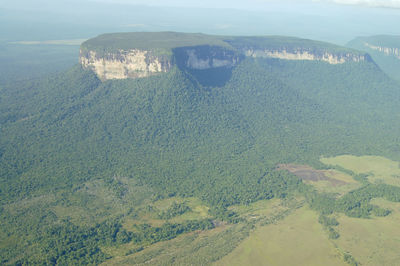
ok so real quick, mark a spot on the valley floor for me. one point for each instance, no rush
(283, 231)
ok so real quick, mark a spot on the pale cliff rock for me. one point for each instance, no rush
(386, 50)
(124, 64)
(306, 55)
(137, 63)
(136, 55)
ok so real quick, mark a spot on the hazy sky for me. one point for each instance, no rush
(237, 4)
(253, 4)
(331, 20)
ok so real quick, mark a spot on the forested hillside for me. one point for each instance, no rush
(80, 157)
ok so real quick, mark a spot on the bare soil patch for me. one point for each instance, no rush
(308, 173)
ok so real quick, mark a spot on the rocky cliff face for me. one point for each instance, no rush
(125, 64)
(386, 50)
(302, 54)
(112, 56)
(137, 63)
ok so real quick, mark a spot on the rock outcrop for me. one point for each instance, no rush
(135, 63)
(132, 63)
(327, 57)
(386, 50)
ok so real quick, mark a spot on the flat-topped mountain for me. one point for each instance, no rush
(384, 49)
(133, 55)
(386, 44)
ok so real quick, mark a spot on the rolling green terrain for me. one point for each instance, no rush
(169, 169)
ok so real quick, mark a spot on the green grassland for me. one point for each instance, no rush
(299, 239)
(379, 169)
(258, 209)
(374, 241)
(196, 248)
(341, 189)
(149, 212)
(204, 247)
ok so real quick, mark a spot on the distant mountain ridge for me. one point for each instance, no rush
(134, 55)
(384, 49)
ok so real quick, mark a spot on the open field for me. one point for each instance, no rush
(380, 169)
(150, 212)
(200, 247)
(259, 209)
(283, 232)
(297, 240)
(195, 248)
(374, 241)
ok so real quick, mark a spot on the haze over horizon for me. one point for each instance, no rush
(337, 21)
(232, 4)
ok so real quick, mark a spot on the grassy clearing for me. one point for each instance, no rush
(149, 212)
(340, 176)
(258, 209)
(297, 240)
(326, 187)
(195, 204)
(96, 200)
(201, 247)
(380, 169)
(374, 241)
(348, 185)
(196, 248)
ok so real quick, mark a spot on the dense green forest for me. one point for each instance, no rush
(72, 142)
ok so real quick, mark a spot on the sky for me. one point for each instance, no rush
(235, 4)
(336, 21)
(254, 4)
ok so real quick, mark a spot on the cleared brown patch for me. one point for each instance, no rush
(308, 173)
